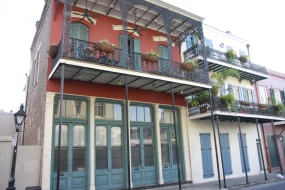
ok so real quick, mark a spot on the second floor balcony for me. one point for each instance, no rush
(218, 61)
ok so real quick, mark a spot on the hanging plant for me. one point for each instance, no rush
(231, 54)
(188, 65)
(243, 58)
(53, 50)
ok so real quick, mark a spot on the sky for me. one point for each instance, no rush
(261, 23)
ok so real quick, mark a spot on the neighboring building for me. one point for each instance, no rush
(273, 136)
(231, 122)
(121, 113)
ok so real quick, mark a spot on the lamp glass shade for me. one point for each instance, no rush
(20, 116)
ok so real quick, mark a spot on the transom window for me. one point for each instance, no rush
(140, 113)
(166, 115)
(108, 111)
(71, 108)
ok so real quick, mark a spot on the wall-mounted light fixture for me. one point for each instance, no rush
(252, 81)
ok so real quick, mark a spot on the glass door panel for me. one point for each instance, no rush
(116, 146)
(101, 148)
(148, 147)
(136, 148)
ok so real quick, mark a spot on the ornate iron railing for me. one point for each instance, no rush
(220, 56)
(240, 107)
(88, 51)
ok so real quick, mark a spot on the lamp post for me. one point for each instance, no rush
(19, 117)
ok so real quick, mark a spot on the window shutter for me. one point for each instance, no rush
(121, 41)
(253, 96)
(272, 96)
(74, 31)
(223, 89)
(137, 45)
(83, 32)
(230, 87)
(240, 93)
(245, 95)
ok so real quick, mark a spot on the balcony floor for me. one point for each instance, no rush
(99, 73)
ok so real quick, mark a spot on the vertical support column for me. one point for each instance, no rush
(199, 28)
(128, 130)
(92, 143)
(176, 140)
(60, 124)
(66, 27)
(241, 142)
(276, 146)
(215, 141)
(167, 22)
(260, 147)
(221, 152)
(247, 45)
(158, 148)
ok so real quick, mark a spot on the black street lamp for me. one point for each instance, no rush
(19, 117)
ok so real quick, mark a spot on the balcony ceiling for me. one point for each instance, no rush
(113, 76)
(141, 15)
(245, 74)
(232, 117)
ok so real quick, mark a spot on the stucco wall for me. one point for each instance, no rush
(196, 127)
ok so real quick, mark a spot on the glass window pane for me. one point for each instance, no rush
(117, 112)
(148, 147)
(173, 141)
(63, 149)
(101, 148)
(78, 152)
(70, 110)
(117, 152)
(147, 114)
(167, 116)
(136, 149)
(140, 113)
(161, 115)
(133, 113)
(164, 146)
(81, 109)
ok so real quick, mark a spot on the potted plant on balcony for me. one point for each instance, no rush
(231, 54)
(228, 101)
(105, 46)
(202, 100)
(151, 57)
(243, 58)
(188, 65)
(53, 50)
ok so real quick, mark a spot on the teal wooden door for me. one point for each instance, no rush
(206, 151)
(272, 151)
(79, 32)
(243, 136)
(142, 156)
(73, 157)
(226, 153)
(168, 154)
(109, 157)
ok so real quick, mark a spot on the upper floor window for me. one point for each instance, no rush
(277, 96)
(191, 40)
(263, 97)
(71, 108)
(140, 113)
(209, 43)
(108, 111)
(36, 68)
(79, 31)
(163, 52)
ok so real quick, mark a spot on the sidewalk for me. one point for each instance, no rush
(232, 184)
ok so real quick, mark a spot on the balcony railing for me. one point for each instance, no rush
(220, 56)
(240, 107)
(87, 51)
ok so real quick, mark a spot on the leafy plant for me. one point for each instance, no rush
(281, 109)
(215, 90)
(272, 100)
(228, 99)
(231, 54)
(105, 41)
(221, 76)
(243, 58)
(191, 62)
(152, 52)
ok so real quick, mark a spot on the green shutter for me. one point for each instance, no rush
(121, 41)
(74, 30)
(79, 31)
(137, 45)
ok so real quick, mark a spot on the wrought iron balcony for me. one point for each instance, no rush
(89, 52)
(240, 107)
(213, 54)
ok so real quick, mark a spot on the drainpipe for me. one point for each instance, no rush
(247, 45)
(25, 109)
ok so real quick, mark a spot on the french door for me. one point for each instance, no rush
(168, 154)
(109, 157)
(73, 156)
(142, 156)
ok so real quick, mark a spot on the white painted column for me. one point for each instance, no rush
(158, 147)
(47, 149)
(91, 147)
(185, 138)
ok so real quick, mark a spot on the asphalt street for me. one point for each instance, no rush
(269, 186)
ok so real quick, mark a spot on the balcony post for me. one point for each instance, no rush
(66, 27)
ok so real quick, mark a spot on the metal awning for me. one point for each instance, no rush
(232, 117)
(103, 74)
